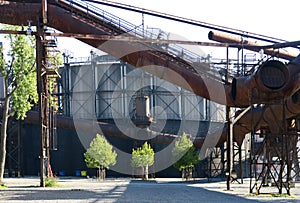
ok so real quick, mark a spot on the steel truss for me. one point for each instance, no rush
(216, 162)
(14, 157)
(274, 157)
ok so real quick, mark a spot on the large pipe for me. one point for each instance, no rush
(253, 46)
(273, 79)
(264, 116)
(141, 55)
(93, 127)
(162, 65)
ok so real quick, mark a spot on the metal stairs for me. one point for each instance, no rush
(113, 26)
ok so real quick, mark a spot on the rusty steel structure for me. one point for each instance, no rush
(181, 72)
(261, 89)
(274, 154)
(253, 46)
(92, 127)
(274, 131)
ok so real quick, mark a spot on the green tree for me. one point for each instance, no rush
(185, 156)
(100, 155)
(20, 90)
(143, 157)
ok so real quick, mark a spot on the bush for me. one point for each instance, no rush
(51, 182)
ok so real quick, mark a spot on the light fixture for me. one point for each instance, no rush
(29, 30)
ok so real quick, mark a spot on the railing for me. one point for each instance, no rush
(128, 27)
(140, 32)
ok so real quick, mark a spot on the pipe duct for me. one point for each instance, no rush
(271, 80)
(177, 71)
(253, 46)
(266, 84)
(264, 116)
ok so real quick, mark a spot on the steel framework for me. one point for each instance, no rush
(274, 156)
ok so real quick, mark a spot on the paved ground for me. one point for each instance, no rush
(127, 190)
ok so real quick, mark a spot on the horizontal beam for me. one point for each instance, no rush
(158, 41)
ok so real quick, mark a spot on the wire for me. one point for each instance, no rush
(188, 21)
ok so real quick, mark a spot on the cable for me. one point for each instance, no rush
(188, 21)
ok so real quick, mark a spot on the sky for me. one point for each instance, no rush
(278, 20)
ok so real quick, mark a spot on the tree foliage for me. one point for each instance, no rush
(18, 70)
(19, 73)
(184, 153)
(142, 156)
(100, 153)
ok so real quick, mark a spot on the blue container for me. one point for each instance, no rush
(77, 173)
(61, 173)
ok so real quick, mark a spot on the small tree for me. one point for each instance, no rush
(185, 156)
(143, 157)
(100, 155)
(20, 90)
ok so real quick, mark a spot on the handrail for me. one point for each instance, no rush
(137, 31)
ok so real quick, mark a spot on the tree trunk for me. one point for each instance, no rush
(146, 172)
(190, 173)
(104, 173)
(101, 174)
(3, 136)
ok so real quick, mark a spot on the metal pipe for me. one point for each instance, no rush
(170, 68)
(107, 129)
(253, 46)
(167, 67)
(263, 116)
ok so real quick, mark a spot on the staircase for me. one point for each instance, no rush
(114, 26)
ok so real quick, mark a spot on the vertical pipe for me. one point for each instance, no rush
(251, 145)
(228, 147)
(39, 89)
(240, 163)
(43, 94)
(282, 160)
(19, 149)
(229, 129)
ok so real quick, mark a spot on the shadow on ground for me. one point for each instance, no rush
(126, 191)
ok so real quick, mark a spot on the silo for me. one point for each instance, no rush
(142, 115)
(166, 96)
(82, 91)
(109, 89)
(109, 95)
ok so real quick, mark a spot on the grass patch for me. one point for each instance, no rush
(51, 182)
(283, 195)
(2, 186)
(272, 195)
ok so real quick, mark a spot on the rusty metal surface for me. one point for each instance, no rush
(160, 64)
(272, 80)
(264, 116)
(225, 38)
(136, 54)
(107, 129)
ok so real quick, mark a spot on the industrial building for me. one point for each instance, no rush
(242, 113)
(106, 89)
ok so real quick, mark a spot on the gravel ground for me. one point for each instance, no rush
(75, 190)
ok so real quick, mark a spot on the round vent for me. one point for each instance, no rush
(273, 74)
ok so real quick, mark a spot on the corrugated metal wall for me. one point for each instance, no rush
(106, 87)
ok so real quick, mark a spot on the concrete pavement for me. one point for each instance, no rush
(75, 190)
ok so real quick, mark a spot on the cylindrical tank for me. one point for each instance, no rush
(142, 107)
